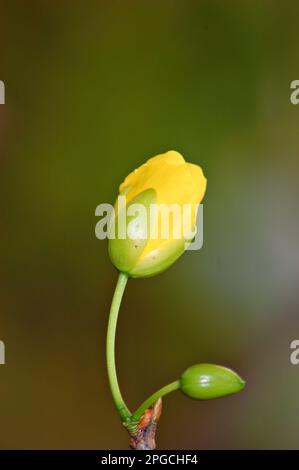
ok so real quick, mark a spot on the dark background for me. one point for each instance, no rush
(94, 88)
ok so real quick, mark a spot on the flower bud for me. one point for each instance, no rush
(207, 381)
(165, 180)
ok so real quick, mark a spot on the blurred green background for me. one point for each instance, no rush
(93, 89)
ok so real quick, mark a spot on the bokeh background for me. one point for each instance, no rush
(93, 88)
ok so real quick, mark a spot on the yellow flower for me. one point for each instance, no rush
(163, 180)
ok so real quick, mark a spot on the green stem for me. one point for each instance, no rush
(153, 398)
(110, 348)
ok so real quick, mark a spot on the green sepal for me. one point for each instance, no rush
(125, 253)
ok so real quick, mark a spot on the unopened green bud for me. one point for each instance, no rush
(207, 381)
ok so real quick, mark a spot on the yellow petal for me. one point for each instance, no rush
(152, 174)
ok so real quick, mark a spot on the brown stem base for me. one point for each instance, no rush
(144, 436)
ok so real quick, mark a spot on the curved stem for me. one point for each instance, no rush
(153, 398)
(110, 348)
